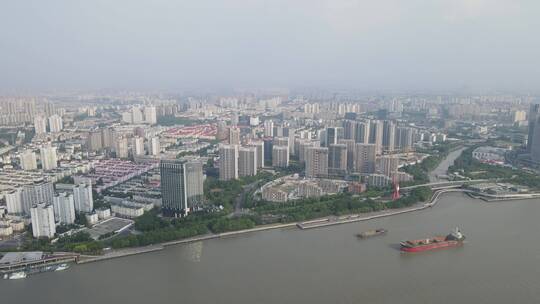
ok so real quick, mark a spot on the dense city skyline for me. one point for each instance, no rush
(177, 45)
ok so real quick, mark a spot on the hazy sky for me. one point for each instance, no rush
(176, 44)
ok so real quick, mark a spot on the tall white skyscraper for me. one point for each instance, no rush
(48, 157)
(247, 161)
(154, 146)
(121, 148)
(280, 156)
(42, 216)
(138, 145)
(40, 125)
(268, 128)
(64, 208)
(316, 159)
(150, 115)
(234, 136)
(28, 160)
(40, 191)
(364, 158)
(55, 123)
(136, 115)
(14, 201)
(259, 145)
(228, 162)
(82, 197)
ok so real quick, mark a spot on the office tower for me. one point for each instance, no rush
(280, 156)
(350, 144)
(154, 146)
(40, 125)
(291, 132)
(40, 191)
(136, 115)
(228, 162)
(55, 123)
(28, 160)
(268, 128)
(362, 132)
(48, 157)
(94, 141)
(150, 115)
(364, 158)
(234, 136)
(247, 161)
(268, 145)
(14, 201)
(194, 184)
(316, 162)
(389, 134)
(64, 208)
(173, 188)
(376, 131)
(259, 145)
(42, 216)
(50, 108)
(337, 159)
(349, 129)
(122, 148)
(533, 141)
(222, 132)
(388, 165)
(138, 146)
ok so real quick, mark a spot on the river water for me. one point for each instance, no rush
(500, 263)
(442, 168)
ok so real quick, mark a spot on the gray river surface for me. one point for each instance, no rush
(499, 263)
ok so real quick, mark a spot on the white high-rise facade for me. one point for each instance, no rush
(136, 115)
(259, 145)
(55, 123)
(14, 202)
(40, 125)
(28, 160)
(154, 146)
(138, 145)
(228, 162)
(364, 158)
(280, 156)
(64, 208)
(82, 197)
(268, 128)
(316, 162)
(150, 115)
(247, 161)
(48, 157)
(40, 191)
(42, 216)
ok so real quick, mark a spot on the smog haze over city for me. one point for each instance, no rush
(357, 44)
(284, 151)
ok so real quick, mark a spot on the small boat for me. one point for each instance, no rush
(371, 233)
(62, 267)
(16, 275)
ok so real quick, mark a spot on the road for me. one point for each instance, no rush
(442, 168)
